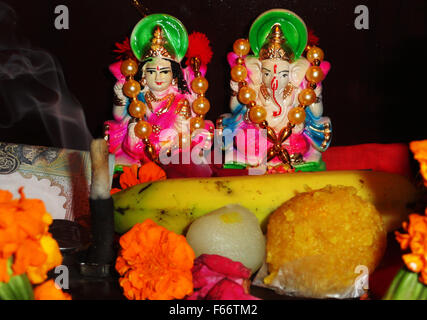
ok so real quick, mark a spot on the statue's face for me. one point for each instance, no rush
(275, 74)
(158, 73)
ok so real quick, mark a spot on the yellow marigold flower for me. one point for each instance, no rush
(54, 258)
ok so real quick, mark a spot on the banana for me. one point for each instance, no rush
(175, 203)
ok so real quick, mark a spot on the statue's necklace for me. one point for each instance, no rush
(258, 114)
(150, 98)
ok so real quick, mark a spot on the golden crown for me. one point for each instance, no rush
(276, 46)
(158, 46)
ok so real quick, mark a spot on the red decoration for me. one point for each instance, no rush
(313, 40)
(198, 47)
(124, 50)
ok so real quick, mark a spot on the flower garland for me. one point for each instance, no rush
(258, 114)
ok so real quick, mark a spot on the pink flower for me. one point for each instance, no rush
(219, 278)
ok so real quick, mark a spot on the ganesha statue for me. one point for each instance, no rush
(158, 104)
(276, 98)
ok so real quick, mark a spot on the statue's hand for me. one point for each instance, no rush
(107, 132)
(298, 128)
(317, 107)
(234, 86)
(119, 102)
(132, 138)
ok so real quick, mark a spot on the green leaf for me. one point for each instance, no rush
(18, 287)
(406, 286)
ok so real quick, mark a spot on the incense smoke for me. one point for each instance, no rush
(32, 82)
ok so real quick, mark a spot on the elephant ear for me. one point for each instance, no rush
(254, 70)
(297, 71)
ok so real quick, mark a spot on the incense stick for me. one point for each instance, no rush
(100, 185)
(101, 252)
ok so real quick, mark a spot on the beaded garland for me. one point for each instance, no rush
(258, 114)
(200, 105)
(137, 109)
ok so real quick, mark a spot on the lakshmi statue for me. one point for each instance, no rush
(276, 100)
(155, 110)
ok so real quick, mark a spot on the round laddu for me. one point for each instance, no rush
(231, 231)
(317, 240)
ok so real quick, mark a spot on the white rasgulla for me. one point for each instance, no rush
(231, 231)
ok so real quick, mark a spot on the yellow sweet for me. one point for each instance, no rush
(319, 237)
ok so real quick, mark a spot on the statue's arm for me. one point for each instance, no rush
(119, 102)
(317, 107)
(234, 102)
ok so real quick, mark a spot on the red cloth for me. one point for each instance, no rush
(392, 158)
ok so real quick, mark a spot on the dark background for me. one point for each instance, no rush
(375, 92)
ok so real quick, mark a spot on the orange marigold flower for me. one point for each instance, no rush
(4, 276)
(416, 241)
(5, 196)
(133, 175)
(419, 149)
(414, 262)
(49, 291)
(115, 190)
(155, 263)
(24, 237)
(423, 277)
(29, 253)
(416, 237)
